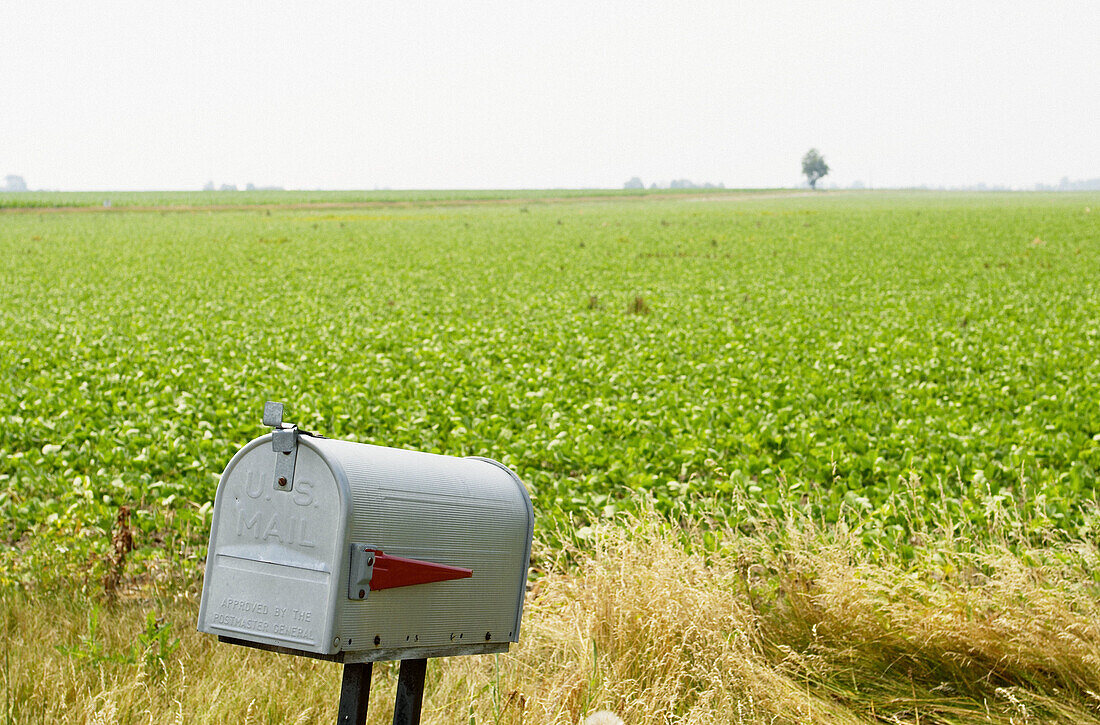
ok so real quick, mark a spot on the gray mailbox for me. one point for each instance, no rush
(358, 553)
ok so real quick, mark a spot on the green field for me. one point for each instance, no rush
(885, 407)
(823, 350)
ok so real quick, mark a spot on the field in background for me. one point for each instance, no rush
(890, 370)
(822, 350)
(214, 199)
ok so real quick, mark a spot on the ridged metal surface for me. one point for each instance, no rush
(460, 512)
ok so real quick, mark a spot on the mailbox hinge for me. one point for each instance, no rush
(284, 441)
(361, 571)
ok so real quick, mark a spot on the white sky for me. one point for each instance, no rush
(496, 94)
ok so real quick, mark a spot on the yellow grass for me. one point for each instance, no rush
(654, 621)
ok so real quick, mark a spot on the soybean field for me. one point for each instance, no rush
(824, 351)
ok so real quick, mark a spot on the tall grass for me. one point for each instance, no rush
(780, 619)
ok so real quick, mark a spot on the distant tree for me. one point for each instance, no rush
(634, 183)
(14, 183)
(227, 187)
(814, 167)
(209, 186)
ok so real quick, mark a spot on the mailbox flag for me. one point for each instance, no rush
(391, 572)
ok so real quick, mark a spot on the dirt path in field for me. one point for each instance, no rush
(410, 204)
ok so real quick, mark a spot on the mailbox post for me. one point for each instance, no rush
(355, 554)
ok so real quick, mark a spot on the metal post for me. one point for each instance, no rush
(354, 694)
(410, 692)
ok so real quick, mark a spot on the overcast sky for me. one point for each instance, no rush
(498, 94)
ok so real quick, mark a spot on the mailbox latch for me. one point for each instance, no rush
(284, 441)
(373, 569)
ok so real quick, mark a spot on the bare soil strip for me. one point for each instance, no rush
(323, 205)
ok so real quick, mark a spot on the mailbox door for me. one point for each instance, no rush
(274, 556)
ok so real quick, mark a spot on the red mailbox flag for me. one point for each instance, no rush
(391, 572)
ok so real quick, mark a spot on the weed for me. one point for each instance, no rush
(122, 543)
(152, 649)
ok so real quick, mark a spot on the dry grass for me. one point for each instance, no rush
(655, 621)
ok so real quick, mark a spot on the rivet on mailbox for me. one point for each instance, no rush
(357, 553)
